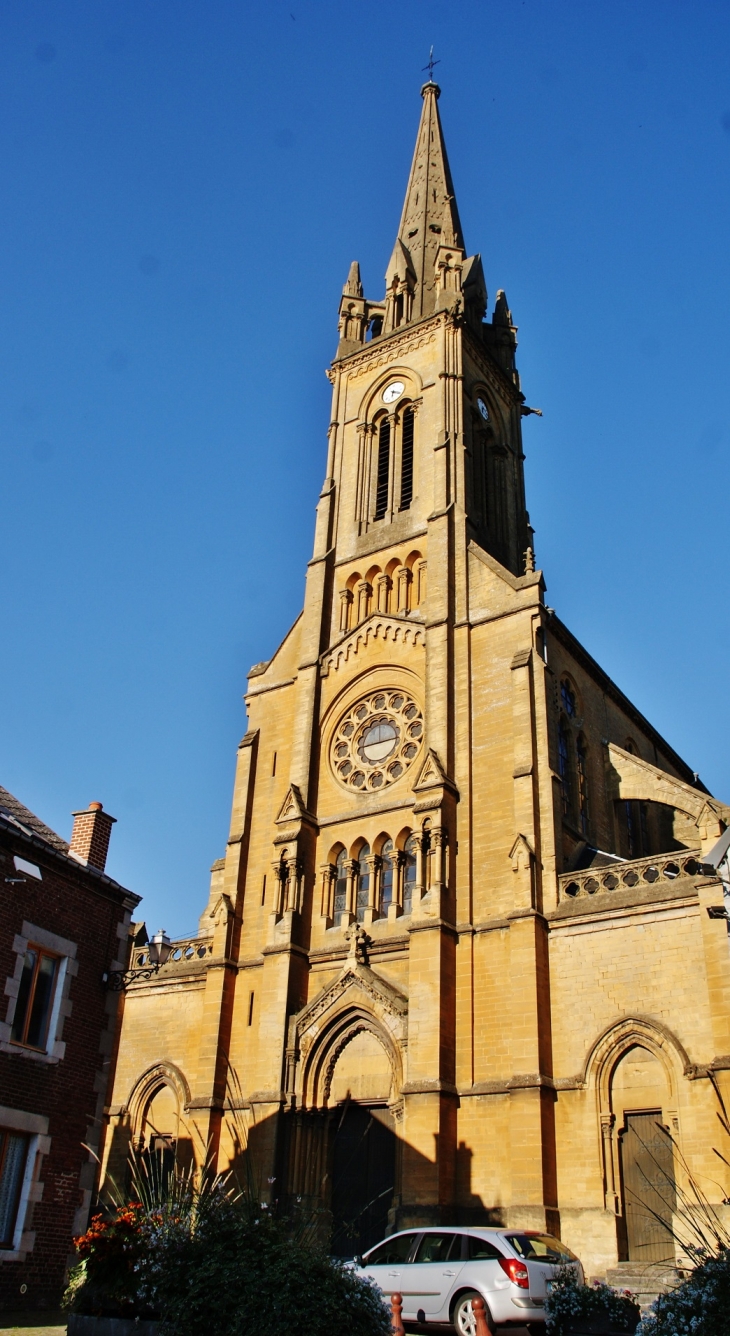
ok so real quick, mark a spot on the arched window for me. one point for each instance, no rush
(341, 883)
(406, 465)
(386, 877)
(410, 869)
(567, 698)
(381, 495)
(564, 766)
(363, 883)
(426, 849)
(581, 754)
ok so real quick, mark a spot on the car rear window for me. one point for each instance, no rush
(481, 1250)
(540, 1248)
(397, 1249)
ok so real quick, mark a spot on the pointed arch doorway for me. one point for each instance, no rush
(362, 1152)
(342, 1148)
(363, 1168)
(342, 1136)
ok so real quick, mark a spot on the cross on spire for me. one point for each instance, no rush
(430, 65)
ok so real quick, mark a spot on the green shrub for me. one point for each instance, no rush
(249, 1270)
(212, 1260)
(569, 1301)
(700, 1306)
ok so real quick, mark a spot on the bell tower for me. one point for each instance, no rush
(477, 426)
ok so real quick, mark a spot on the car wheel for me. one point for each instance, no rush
(463, 1317)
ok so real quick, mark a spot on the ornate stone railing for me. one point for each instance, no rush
(639, 872)
(186, 951)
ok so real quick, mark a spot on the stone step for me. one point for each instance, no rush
(646, 1282)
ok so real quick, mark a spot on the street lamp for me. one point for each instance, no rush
(158, 951)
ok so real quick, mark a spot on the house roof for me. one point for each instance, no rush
(14, 816)
(11, 808)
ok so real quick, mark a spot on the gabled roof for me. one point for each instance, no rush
(11, 808)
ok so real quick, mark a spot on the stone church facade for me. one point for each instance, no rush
(464, 959)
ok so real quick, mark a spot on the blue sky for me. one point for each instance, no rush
(185, 185)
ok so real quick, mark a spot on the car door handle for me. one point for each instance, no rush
(394, 1273)
(449, 1273)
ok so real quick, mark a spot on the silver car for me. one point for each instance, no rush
(439, 1271)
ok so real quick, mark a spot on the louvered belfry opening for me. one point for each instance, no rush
(406, 476)
(381, 497)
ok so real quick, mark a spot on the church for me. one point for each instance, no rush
(465, 958)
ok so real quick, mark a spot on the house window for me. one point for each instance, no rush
(564, 768)
(341, 883)
(406, 474)
(582, 759)
(35, 999)
(363, 883)
(381, 495)
(386, 877)
(13, 1149)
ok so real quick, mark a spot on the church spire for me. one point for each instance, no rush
(430, 217)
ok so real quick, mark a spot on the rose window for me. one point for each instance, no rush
(377, 740)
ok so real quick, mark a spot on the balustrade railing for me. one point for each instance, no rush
(637, 872)
(187, 950)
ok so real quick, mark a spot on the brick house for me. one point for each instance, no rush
(63, 925)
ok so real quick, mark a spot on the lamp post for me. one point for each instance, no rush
(158, 952)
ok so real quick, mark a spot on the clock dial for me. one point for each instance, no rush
(483, 409)
(393, 391)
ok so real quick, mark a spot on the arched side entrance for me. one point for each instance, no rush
(639, 1099)
(635, 1068)
(160, 1136)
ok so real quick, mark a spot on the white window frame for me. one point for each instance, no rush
(65, 950)
(35, 1126)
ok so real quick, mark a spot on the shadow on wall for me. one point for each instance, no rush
(342, 1166)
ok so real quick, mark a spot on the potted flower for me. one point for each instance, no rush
(102, 1293)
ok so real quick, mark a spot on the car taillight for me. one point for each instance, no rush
(517, 1271)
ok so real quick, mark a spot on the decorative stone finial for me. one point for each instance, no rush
(529, 561)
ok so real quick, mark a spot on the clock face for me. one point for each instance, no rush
(393, 391)
(483, 409)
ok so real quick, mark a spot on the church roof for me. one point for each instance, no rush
(430, 217)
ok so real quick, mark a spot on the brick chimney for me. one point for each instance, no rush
(90, 836)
